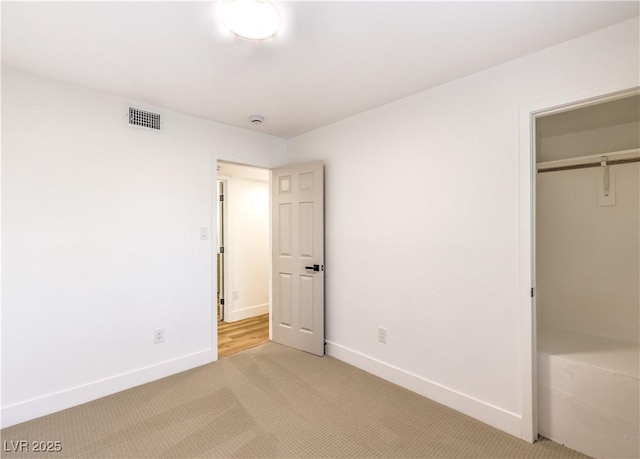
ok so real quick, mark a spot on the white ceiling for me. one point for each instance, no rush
(331, 60)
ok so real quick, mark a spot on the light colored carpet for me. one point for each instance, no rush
(272, 401)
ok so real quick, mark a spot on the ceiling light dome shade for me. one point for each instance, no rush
(253, 19)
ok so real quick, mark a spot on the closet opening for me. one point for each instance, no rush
(243, 258)
(587, 277)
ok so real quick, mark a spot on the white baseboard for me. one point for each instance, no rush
(485, 412)
(251, 311)
(50, 403)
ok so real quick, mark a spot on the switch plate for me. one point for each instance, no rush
(204, 233)
(235, 294)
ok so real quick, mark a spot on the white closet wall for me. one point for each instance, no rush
(587, 262)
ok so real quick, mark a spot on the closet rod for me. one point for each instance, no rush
(610, 162)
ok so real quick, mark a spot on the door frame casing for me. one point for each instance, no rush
(527, 205)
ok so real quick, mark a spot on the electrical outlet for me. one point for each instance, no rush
(235, 294)
(158, 335)
(382, 334)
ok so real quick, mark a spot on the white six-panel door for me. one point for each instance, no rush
(297, 220)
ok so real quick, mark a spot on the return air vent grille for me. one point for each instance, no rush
(144, 118)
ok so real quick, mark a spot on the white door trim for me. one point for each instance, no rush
(527, 157)
(213, 239)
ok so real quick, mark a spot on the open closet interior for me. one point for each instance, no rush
(588, 277)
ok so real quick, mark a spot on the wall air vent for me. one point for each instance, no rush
(144, 118)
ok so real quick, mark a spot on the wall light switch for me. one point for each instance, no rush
(204, 233)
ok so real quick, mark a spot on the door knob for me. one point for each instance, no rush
(314, 267)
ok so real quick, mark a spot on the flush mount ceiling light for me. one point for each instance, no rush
(253, 19)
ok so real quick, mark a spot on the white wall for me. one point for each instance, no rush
(101, 242)
(247, 248)
(422, 224)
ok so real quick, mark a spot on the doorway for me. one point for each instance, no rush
(586, 266)
(243, 257)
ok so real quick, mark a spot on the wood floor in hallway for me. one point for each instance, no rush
(241, 335)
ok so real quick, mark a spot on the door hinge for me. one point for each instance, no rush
(221, 249)
(221, 197)
(221, 301)
(531, 292)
